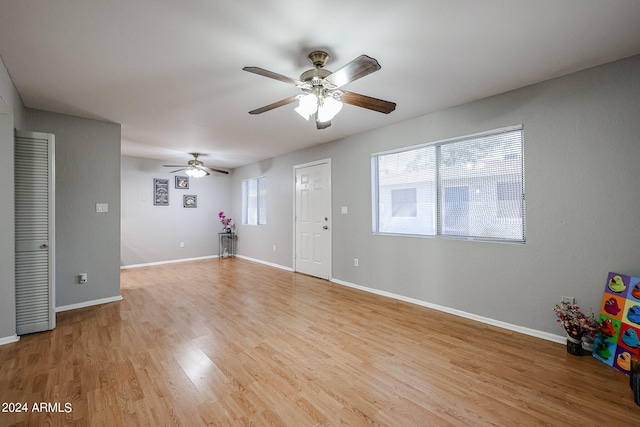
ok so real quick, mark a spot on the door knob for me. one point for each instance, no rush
(44, 246)
(326, 227)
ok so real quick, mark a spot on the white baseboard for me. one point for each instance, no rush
(171, 261)
(504, 325)
(88, 303)
(150, 264)
(259, 261)
(9, 340)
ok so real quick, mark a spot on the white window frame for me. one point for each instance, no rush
(260, 200)
(440, 184)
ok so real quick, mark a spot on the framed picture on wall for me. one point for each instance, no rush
(160, 192)
(182, 182)
(190, 201)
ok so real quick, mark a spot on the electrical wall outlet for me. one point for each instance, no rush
(82, 278)
(355, 262)
(182, 244)
(274, 248)
(570, 300)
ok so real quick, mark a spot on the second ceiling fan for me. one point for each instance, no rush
(322, 95)
(195, 168)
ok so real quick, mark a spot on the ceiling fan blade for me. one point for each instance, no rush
(274, 105)
(272, 75)
(368, 102)
(359, 67)
(322, 125)
(173, 166)
(177, 170)
(216, 170)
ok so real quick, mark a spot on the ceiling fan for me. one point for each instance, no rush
(322, 95)
(195, 168)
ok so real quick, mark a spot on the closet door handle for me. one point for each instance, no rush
(44, 246)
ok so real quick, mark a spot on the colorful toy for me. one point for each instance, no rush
(634, 314)
(624, 361)
(606, 328)
(616, 284)
(635, 291)
(611, 306)
(630, 338)
(602, 349)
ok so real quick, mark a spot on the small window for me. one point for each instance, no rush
(254, 201)
(471, 187)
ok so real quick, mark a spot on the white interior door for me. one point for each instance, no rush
(313, 219)
(34, 232)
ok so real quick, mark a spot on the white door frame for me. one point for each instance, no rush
(330, 223)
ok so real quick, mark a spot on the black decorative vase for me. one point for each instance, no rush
(574, 346)
(634, 379)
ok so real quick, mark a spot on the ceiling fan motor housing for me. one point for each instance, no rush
(195, 161)
(315, 76)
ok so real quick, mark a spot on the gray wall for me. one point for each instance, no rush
(256, 241)
(10, 101)
(582, 201)
(87, 172)
(153, 233)
(11, 115)
(7, 245)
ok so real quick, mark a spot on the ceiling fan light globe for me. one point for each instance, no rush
(302, 113)
(307, 106)
(195, 172)
(329, 109)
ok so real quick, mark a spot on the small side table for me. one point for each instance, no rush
(226, 244)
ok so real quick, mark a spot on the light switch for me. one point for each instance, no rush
(344, 210)
(102, 207)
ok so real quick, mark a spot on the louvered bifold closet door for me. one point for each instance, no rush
(34, 232)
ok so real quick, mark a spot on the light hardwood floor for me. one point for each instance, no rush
(231, 342)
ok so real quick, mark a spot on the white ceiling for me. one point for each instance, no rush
(170, 71)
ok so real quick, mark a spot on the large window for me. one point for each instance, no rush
(403, 202)
(254, 201)
(471, 187)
